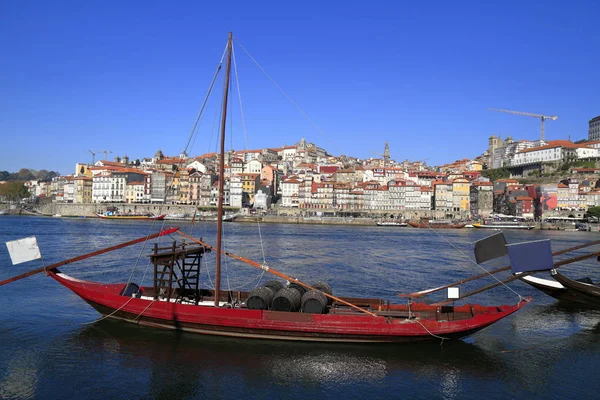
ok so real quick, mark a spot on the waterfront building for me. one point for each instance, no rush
(524, 206)
(205, 188)
(426, 197)
(481, 199)
(305, 193)
(249, 183)
(562, 196)
(593, 198)
(342, 199)
(414, 198)
(261, 200)
(236, 191)
(83, 189)
(214, 194)
(371, 194)
(158, 191)
(356, 199)
(135, 192)
(397, 194)
(442, 196)
(184, 186)
(321, 195)
(68, 190)
(107, 188)
(461, 195)
(289, 192)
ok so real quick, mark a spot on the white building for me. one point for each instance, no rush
(236, 191)
(289, 192)
(556, 150)
(253, 167)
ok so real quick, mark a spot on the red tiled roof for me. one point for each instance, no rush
(554, 144)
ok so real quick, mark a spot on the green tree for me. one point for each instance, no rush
(593, 212)
(496, 173)
(13, 191)
(25, 174)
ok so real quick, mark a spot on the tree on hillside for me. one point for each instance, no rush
(13, 191)
(25, 174)
(45, 175)
(496, 173)
(593, 212)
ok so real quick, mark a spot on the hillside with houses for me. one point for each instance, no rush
(305, 179)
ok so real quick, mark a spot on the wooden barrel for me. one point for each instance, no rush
(314, 302)
(260, 299)
(287, 300)
(324, 287)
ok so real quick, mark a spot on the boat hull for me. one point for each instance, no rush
(502, 226)
(580, 293)
(430, 324)
(435, 225)
(124, 216)
(567, 296)
(398, 224)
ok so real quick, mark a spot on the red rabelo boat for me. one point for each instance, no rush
(296, 311)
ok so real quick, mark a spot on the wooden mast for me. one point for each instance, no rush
(222, 173)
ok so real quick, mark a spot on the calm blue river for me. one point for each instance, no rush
(53, 347)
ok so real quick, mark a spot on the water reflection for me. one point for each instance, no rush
(192, 364)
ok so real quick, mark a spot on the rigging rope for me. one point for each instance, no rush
(287, 96)
(212, 83)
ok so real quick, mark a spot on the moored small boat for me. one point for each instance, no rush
(391, 223)
(503, 225)
(119, 216)
(437, 224)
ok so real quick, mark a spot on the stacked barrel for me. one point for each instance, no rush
(275, 296)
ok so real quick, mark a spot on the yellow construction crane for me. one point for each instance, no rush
(540, 116)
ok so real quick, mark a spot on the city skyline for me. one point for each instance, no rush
(129, 79)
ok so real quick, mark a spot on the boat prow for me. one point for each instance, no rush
(569, 292)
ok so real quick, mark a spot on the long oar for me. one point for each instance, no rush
(515, 277)
(88, 255)
(492, 272)
(276, 273)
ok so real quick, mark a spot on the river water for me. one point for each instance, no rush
(53, 347)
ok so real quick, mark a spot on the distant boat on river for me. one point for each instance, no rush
(391, 223)
(117, 215)
(437, 224)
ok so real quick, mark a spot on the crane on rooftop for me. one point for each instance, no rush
(105, 153)
(527, 114)
(93, 155)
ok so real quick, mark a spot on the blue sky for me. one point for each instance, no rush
(128, 77)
